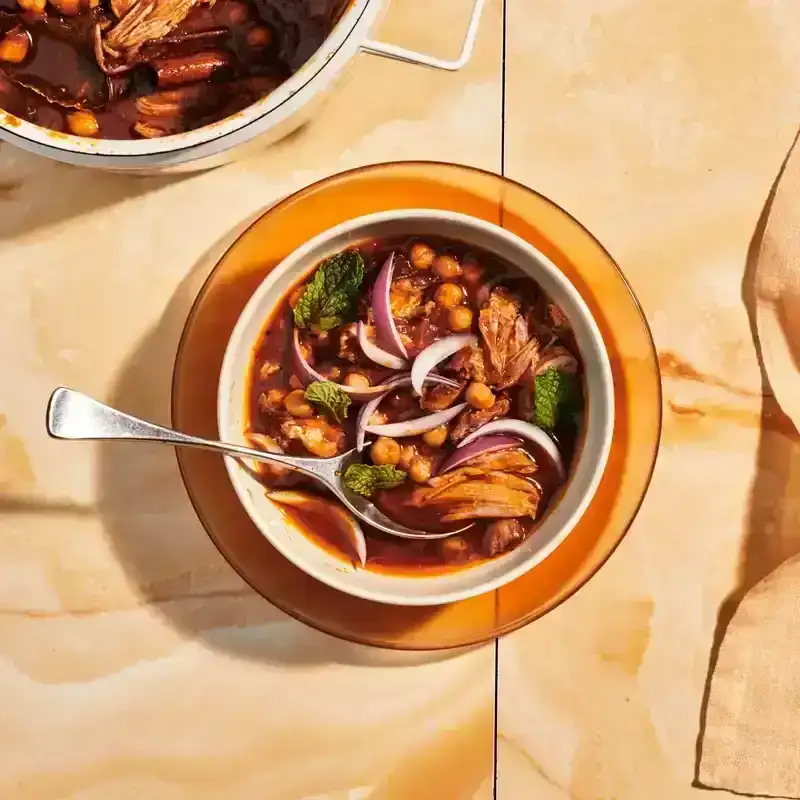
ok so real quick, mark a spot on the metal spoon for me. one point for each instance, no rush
(72, 415)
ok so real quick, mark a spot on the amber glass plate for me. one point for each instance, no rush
(637, 390)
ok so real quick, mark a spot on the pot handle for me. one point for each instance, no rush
(412, 57)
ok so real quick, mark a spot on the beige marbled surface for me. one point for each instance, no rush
(661, 126)
(135, 664)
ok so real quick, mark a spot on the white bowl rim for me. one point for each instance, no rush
(14, 127)
(409, 215)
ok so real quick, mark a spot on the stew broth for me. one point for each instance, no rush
(482, 294)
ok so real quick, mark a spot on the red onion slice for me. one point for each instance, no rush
(525, 430)
(414, 427)
(304, 371)
(375, 353)
(369, 409)
(364, 416)
(341, 518)
(437, 352)
(385, 330)
(481, 445)
(307, 374)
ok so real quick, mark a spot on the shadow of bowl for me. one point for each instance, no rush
(155, 531)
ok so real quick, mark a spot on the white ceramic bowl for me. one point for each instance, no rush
(585, 475)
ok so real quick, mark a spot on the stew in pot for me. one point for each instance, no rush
(123, 69)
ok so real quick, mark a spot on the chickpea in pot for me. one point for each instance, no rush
(356, 380)
(422, 255)
(14, 46)
(408, 452)
(479, 396)
(385, 451)
(447, 267)
(449, 295)
(83, 123)
(460, 319)
(437, 437)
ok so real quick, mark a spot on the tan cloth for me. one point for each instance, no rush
(751, 743)
(751, 736)
(777, 283)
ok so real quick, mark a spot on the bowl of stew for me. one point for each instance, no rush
(466, 368)
(156, 84)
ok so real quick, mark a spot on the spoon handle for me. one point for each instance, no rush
(72, 415)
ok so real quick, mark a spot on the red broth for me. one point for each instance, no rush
(478, 276)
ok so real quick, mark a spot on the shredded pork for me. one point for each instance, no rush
(438, 398)
(470, 419)
(493, 494)
(144, 21)
(509, 347)
(318, 436)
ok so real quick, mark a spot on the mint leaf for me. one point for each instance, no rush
(365, 479)
(330, 297)
(556, 395)
(330, 398)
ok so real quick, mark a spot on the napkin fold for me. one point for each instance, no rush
(750, 737)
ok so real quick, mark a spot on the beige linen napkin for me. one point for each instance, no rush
(750, 742)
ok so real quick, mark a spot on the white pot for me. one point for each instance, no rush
(287, 108)
(585, 474)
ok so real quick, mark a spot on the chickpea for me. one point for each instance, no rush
(36, 6)
(437, 437)
(419, 470)
(449, 295)
(460, 318)
(407, 455)
(83, 123)
(297, 405)
(422, 255)
(385, 451)
(447, 267)
(296, 294)
(356, 380)
(15, 46)
(479, 395)
(258, 37)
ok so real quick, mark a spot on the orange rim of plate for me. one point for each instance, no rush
(637, 390)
